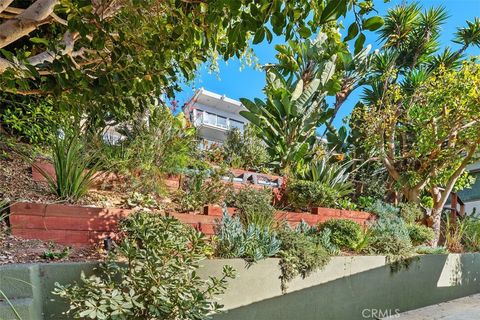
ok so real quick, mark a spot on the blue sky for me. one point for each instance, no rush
(249, 82)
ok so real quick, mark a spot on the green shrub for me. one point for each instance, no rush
(384, 210)
(365, 202)
(303, 195)
(244, 149)
(390, 237)
(253, 207)
(346, 203)
(410, 212)
(251, 243)
(344, 233)
(300, 254)
(420, 234)
(150, 150)
(35, 123)
(74, 171)
(201, 187)
(471, 237)
(156, 280)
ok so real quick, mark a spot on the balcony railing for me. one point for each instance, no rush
(211, 119)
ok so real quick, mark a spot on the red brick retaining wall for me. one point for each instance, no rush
(81, 226)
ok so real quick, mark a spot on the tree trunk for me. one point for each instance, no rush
(436, 226)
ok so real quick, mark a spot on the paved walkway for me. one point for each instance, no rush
(467, 308)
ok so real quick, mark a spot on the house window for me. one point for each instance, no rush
(222, 122)
(234, 124)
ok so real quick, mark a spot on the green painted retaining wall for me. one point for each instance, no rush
(343, 290)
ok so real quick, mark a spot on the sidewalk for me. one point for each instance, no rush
(467, 308)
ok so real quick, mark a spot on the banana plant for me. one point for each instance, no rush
(288, 118)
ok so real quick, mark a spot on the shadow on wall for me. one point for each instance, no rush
(375, 293)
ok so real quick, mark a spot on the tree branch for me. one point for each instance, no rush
(4, 4)
(453, 179)
(26, 22)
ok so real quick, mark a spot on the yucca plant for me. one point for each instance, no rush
(74, 172)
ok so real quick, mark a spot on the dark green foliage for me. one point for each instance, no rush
(420, 234)
(410, 212)
(344, 234)
(157, 280)
(252, 243)
(244, 150)
(74, 171)
(365, 202)
(36, 122)
(55, 254)
(254, 206)
(201, 187)
(302, 194)
(300, 254)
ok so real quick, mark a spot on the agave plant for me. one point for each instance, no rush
(74, 172)
(327, 172)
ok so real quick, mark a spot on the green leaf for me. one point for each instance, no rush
(298, 90)
(359, 43)
(304, 32)
(373, 23)
(39, 40)
(253, 118)
(330, 12)
(352, 32)
(259, 36)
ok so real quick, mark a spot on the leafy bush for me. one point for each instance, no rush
(253, 207)
(410, 212)
(157, 280)
(344, 233)
(302, 194)
(420, 234)
(365, 202)
(35, 122)
(138, 199)
(201, 187)
(245, 150)
(153, 147)
(233, 240)
(74, 172)
(346, 203)
(390, 237)
(471, 238)
(300, 254)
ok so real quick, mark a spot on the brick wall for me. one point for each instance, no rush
(82, 226)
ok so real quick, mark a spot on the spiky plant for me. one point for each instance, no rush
(74, 170)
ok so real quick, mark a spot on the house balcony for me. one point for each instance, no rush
(205, 119)
(213, 127)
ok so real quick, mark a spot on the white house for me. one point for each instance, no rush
(214, 115)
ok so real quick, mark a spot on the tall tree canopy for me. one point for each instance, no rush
(103, 54)
(421, 108)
